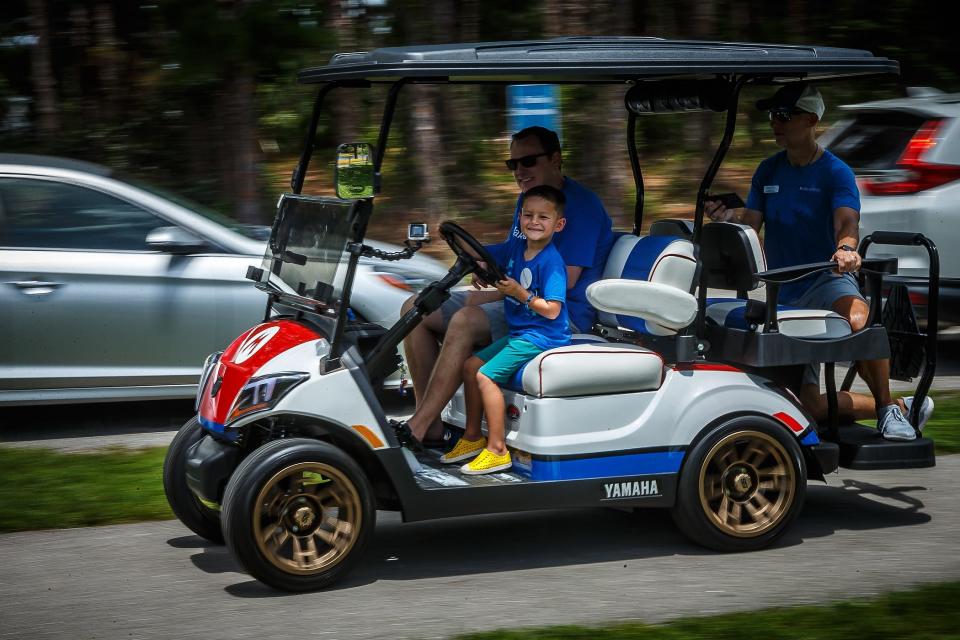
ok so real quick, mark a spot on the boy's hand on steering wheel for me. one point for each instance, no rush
(510, 287)
(477, 281)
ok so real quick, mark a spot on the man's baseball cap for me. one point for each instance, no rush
(797, 96)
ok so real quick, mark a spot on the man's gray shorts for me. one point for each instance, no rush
(827, 288)
(494, 311)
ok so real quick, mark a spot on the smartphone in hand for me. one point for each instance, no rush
(729, 200)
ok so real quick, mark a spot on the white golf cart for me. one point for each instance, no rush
(673, 400)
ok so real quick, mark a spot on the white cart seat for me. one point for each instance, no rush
(592, 369)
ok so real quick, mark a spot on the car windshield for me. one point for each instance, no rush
(306, 257)
(875, 141)
(257, 232)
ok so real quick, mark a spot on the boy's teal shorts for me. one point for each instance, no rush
(505, 356)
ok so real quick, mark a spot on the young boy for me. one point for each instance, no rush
(535, 307)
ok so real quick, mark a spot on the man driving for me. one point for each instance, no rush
(475, 318)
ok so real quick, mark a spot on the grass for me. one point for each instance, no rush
(925, 612)
(944, 425)
(42, 489)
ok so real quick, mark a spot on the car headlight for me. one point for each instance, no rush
(208, 367)
(259, 394)
(401, 279)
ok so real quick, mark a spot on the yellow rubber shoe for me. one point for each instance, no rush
(463, 450)
(487, 462)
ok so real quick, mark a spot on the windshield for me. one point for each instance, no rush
(306, 257)
(254, 231)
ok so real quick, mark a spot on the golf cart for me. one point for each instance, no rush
(671, 401)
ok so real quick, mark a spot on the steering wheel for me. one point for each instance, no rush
(468, 249)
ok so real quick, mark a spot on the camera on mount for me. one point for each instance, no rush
(418, 232)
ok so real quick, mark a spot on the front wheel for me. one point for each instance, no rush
(298, 514)
(199, 518)
(741, 486)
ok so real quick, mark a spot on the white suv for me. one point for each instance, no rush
(906, 155)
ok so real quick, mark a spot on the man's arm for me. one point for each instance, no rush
(753, 218)
(846, 229)
(573, 274)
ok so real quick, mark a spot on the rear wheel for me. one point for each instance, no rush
(199, 518)
(742, 486)
(298, 514)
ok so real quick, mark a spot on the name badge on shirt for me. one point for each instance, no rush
(771, 188)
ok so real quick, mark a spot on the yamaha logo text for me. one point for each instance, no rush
(636, 489)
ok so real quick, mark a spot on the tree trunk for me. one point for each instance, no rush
(44, 83)
(426, 138)
(612, 128)
(241, 137)
(698, 133)
(343, 24)
(106, 58)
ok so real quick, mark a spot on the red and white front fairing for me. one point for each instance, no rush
(243, 361)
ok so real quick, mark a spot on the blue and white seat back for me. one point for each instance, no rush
(666, 260)
(732, 255)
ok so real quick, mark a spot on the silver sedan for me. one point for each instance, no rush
(110, 291)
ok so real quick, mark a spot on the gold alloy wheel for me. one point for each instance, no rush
(747, 484)
(307, 517)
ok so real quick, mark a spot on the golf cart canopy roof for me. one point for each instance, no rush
(597, 60)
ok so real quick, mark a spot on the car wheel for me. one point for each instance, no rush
(199, 518)
(741, 486)
(298, 514)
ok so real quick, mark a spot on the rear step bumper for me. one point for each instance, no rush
(862, 447)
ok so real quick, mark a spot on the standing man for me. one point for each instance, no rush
(470, 319)
(808, 200)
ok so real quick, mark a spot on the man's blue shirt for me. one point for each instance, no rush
(546, 277)
(797, 204)
(585, 242)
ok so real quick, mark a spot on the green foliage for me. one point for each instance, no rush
(40, 489)
(944, 425)
(157, 99)
(927, 612)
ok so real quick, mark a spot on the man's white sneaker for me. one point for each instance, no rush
(926, 410)
(893, 426)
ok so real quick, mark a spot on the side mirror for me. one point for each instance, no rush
(176, 240)
(354, 172)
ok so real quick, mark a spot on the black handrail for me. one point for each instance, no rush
(637, 174)
(300, 172)
(905, 238)
(731, 125)
(388, 110)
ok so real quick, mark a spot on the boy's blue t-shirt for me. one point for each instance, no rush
(585, 242)
(797, 204)
(546, 277)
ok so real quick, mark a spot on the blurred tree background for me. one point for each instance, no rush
(200, 96)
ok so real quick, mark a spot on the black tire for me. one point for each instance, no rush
(202, 520)
(278, 515)
(741, 486)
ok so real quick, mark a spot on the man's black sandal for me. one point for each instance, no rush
(405, 435)
(441, 442)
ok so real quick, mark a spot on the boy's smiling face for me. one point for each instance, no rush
(539, 219)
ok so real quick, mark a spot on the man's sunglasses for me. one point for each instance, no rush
(526, 161)
(783, 115)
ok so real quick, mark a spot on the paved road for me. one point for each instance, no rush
(865, 533)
